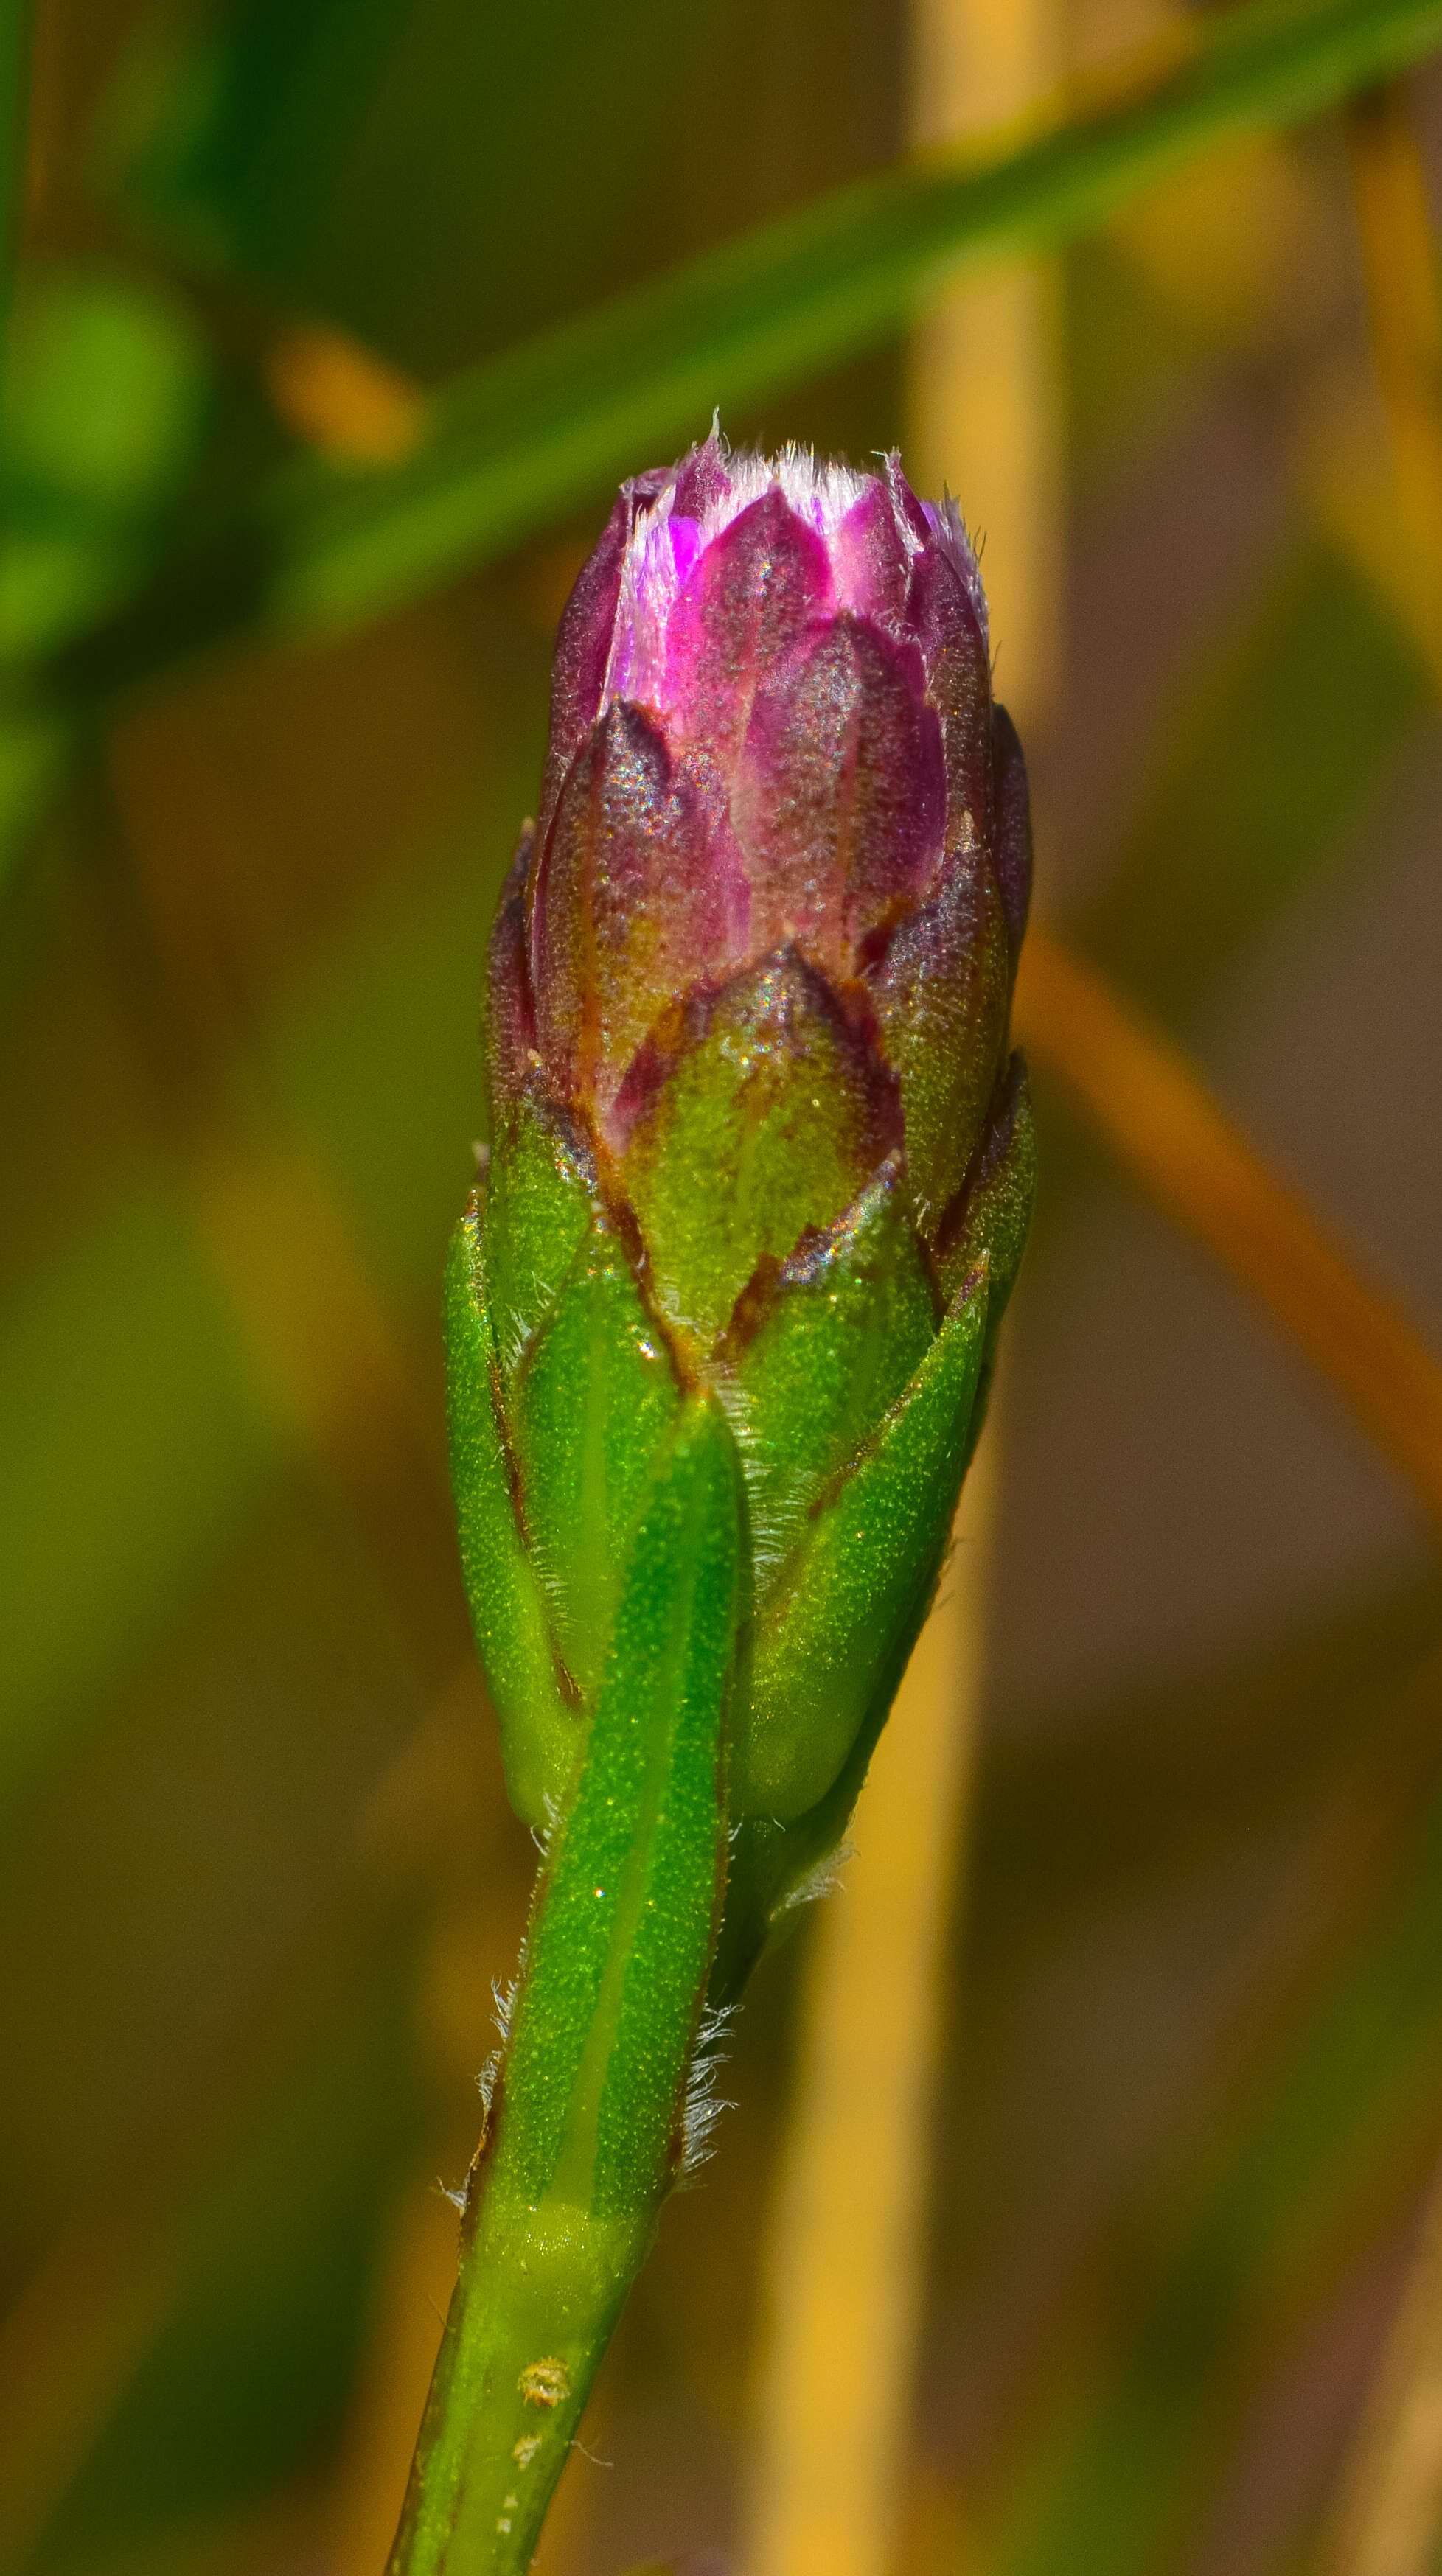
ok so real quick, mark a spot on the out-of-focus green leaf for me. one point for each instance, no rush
(133, 1442)
(104, 403)
(34, 756)
(108, 392)
(367, 160)
(525, 436)
(131, 1449)
(1133, 364)
(15, 27)
(1125, 1794)
(233, 135)
(1358, 2090)
(1118, 1815)
(1282, 737)
(378, 1059)
(247, 2381)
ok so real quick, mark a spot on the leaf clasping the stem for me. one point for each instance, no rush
(587, 2132)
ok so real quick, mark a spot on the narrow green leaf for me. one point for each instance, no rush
(523, 437)
(594, 1406)
(540, 1732)
(563, 2198)
(856, 1590)
(617, 1957)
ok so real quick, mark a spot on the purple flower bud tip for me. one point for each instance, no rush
(772, 729)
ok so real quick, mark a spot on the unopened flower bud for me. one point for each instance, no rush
(757, 1133)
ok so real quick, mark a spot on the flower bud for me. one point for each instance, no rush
(756, 1132)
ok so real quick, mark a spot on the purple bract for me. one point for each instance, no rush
(773, 738)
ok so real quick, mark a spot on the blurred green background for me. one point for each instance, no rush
(257, 1872)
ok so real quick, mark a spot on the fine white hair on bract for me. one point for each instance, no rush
(954, 538)
(702, 2105)
(820, 495)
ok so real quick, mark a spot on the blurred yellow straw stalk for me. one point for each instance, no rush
(845, 2267)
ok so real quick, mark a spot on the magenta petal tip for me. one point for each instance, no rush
(772, 727)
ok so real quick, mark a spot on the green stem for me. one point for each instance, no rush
(562, 2201)
(539, 2293)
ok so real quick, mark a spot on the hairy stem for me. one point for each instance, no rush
(539, 2292)
(589, 2125)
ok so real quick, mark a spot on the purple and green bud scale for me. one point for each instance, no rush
(756, 1133)
(719, 1322)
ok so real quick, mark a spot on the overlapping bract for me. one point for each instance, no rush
(756, 1132)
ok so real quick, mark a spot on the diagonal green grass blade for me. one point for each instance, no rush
(527, 435)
